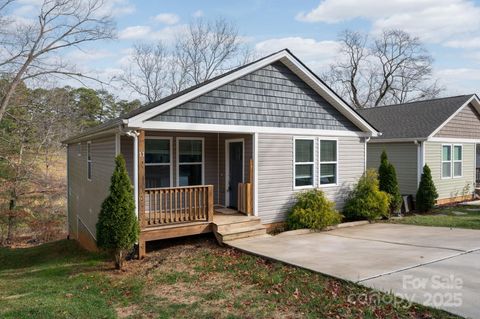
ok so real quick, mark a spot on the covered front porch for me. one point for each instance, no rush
(183, 180)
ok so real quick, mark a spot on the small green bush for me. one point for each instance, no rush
(387, 178)
(313, 210)
(366, 200)
(117, 226)
(426, 193)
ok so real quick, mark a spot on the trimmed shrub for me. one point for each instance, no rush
(313, 210)
(387, 178)
(117, 226)
(426, 193)
(366, 200)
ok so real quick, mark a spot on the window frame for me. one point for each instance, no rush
(79, 149)
(89, 161)
(295, 163)
(457, 161)
(170, 139)
(448, 161)
(178, 139)
(320, 139)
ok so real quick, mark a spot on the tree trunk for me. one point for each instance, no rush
(11, 219)
(119, 259)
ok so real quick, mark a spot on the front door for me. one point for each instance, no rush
(235, 171)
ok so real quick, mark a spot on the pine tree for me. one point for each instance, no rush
(117, 226)
(388, 183)
(426, 193)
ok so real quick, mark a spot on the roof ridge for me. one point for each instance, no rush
(412, 102)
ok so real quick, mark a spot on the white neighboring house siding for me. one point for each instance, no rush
(275, 173)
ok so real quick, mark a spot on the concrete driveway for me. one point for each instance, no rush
(435, 266)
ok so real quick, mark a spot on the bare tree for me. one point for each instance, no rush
(208, 49)
(30, 48)
(392, 68)
(147, 73)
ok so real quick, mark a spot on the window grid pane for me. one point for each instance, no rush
(446, 169)
(457, 169)
(328, 174)
(304, 151)
(303, 174)
(446, 153)
(457, 153)
(157, 151)
(190, 151)
(328, 151)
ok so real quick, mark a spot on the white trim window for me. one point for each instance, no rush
(79, 149)
(190, 161)
(446, 161)
(89, 161)
(328, 162)
(457, 160)
(304, 162)
(158, 162)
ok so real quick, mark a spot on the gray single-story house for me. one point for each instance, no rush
(243, 142)
(442, 133)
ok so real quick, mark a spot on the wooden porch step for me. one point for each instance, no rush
(227, 227)
(240, 232)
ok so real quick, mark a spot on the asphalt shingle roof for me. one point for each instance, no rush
(415, 119)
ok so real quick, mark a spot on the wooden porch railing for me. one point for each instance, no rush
(167, 206)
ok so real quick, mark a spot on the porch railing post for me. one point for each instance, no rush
(210, 203)
(141, 178)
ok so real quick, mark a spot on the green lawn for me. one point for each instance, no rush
(451, 216)
(191, 277)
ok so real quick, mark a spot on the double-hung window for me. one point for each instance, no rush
(304, 162)
(457, 160)
(190, 161)
(89, 161)
(446, 161)
(328, 162)
(452, 161)
(158, 162)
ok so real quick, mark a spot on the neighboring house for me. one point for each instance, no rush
(442, 133)
(248, 140)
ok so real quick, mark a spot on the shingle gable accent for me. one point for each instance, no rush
(465, 124)
(272, 96)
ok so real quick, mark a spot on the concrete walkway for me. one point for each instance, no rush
(435, 266)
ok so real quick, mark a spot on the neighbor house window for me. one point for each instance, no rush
(457, 160)
(158, 162)
(304, 162)
(89, 161)
(190, 161)
(79, 149)
(446, 161)
(328, 162)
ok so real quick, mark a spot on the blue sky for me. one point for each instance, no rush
(449, 28)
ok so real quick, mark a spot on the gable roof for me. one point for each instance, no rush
(136, 117)
(415, 120)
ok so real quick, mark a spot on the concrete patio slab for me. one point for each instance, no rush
(381, 255)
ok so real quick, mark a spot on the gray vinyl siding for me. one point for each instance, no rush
(272, 96)
(85, 197)
(466, 125)
(403, 156)
(451, 187)
(275, 173)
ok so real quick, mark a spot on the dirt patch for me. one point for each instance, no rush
(125, 312)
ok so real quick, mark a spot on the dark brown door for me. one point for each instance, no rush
(235, 169)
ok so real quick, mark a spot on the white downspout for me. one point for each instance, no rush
(367, 139)
(135, 134)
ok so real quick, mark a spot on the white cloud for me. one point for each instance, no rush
(464, 43)
(198, 14)
(117, 8)
(143, 32)
(135, 32)
(167, 18)
(431, 20)
(89, 55)
(316, 54)
(459, 80)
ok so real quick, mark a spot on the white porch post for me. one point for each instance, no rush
(255, 174)
(134, 134)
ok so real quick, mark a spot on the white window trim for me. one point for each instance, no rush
(295, 138)
(320, 139)
(89, 160)
(450, 161)
(457, 161)
(192, 163)
(171, 155)
(79, 149)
